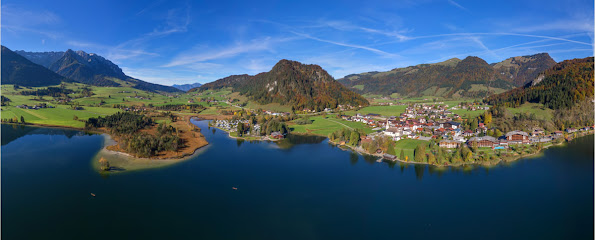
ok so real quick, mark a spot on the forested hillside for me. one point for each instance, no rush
(472, 77)
(561, 86)
(292, 83)
(567, 88)
(18, 70)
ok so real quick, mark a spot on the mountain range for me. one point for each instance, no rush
(186, 87)
(471, 77)
(301, 86)
(88, 68)
(18, 70)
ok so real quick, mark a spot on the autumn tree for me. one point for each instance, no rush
(391, 148)
(487, 117)
(431, 158)
(420, 153)
(354, 138)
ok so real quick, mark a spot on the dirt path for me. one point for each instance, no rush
(35, 114)
(340, 123)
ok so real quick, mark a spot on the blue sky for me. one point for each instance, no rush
(176, 42)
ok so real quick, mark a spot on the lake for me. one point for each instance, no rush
(302, 188)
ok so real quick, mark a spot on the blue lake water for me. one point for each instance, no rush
(299, 189)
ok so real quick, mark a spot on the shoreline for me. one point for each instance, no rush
(358, 150)
(108, 135)
(184, 154)
(242, 138)
(484, 164)
(121, 162)
(39, 125)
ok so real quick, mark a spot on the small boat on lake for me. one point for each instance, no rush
(93, 194)
(234, 188)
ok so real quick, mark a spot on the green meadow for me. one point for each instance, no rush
(325, 125)
(408, 146)
(59, 116)
(395, 110)
(538, 109)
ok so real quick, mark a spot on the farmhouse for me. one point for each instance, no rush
(448, 144)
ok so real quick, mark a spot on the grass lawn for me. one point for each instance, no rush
(536, 108)
(360, 87)
(408, 146)
(464, 113)
(275, 107)
(324, 126)
(209, 111)
(60, 116)
(395, 110)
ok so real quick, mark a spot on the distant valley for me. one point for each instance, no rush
(186, 87)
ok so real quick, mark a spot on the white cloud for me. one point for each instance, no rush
(165, 77)
(115, 54)
(18, 17)
(203, 54)
(478, 41)
(257, 66)
(566, 25)
(347, 26)
(457, 5)
(374, 50)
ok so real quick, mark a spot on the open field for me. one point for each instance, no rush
(360, 87)
(538, 109)
(395, 110)
(275, 107)
(59, 116)
(483, 87)
(408, 146)
(464, 113)
(324, 126)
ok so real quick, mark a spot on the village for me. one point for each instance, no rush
(421, 122)
(433, 121)
(248, 129)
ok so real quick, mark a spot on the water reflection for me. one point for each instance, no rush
(419, 171)
(353, 157)
(297, 139)
(11, 132)
(370, 159)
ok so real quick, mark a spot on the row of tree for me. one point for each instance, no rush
(120, 123)
(14, 120)
(49, 91)
(180, 107)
